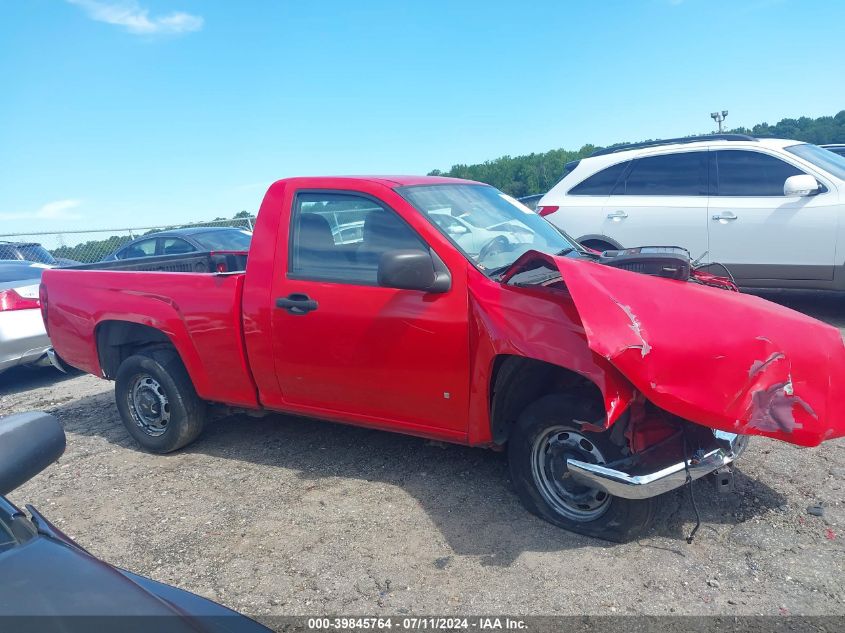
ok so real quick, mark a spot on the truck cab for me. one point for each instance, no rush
(579, 366)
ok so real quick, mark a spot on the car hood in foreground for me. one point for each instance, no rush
(723, 359)
(67, 589)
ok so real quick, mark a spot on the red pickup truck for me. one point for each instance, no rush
(445, 309)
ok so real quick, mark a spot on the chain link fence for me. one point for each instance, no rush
(88, 246)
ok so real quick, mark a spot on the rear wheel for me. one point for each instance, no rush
(157, 401)
(544, 437)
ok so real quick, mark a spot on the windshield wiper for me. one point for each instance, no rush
(495, 272)
(585, 252)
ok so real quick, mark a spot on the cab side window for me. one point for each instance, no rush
(341, 237)
(742, 173)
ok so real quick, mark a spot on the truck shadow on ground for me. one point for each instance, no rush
(20, 379)
(466, 492)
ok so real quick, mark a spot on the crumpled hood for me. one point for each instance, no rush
(723, 359)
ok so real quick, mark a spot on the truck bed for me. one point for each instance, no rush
(210, 262)
(199, 312)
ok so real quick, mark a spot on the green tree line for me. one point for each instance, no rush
(526, 175)
(537, 173)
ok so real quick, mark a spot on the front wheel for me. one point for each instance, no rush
(543, 438)
(157, 401)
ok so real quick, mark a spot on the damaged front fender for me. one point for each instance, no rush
(722, 359)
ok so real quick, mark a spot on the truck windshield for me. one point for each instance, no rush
(832, 163)
(489, 227)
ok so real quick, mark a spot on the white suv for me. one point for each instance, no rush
(772, 211)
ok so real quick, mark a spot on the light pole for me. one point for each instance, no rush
(718, 117)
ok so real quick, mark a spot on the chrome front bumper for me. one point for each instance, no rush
(652, 477)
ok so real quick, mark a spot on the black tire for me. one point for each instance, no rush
(157, 401)
(548, 427)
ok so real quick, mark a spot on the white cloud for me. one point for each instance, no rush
(57, 210)
(135, 19)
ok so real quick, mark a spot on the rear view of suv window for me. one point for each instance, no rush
(683, 174)
(743, 173)
(601, 183)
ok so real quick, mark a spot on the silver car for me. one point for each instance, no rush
(23, 340)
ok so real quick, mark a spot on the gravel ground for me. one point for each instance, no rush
(284, 515)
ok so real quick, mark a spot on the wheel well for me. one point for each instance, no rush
(118, 340)
(598, 245)
(517, 382)
(599, 242)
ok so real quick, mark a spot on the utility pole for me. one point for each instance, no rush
(718, 117)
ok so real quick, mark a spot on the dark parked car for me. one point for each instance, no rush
(47, 581)
(183, 241)
(31, 252)
(836, 148)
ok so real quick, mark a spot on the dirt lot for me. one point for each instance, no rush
(291, 516)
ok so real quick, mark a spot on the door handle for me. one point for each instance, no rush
(297, 303)
(725, 216)
(617, 215)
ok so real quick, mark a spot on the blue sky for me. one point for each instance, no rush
(121, 113)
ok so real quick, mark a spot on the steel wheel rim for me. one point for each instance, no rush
(149, 405)
(567, 497)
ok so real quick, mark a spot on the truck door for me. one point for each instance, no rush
(344, 346)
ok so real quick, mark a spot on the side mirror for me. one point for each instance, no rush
(29, 442)
(413, 269)
(800, 185)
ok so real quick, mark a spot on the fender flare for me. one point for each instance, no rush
(173, 329)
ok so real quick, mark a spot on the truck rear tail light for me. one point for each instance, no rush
(11, 300)
(546, 210)
(228, 261)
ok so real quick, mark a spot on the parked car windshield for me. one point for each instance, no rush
(27, 252)
(832, 163)
(489, 227)
(234, 240)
